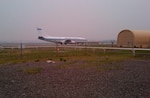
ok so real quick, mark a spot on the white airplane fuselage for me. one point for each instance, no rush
(63, 40)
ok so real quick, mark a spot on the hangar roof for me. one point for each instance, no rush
(139, 34)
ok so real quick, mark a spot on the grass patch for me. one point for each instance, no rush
(62, 59)
(90, 57)
(36, 60)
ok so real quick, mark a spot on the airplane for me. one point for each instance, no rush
(62, 40)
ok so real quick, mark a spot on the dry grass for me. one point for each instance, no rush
(90, 57)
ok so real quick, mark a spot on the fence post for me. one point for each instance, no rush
(104, 50)
(133, 51)
(20, 50)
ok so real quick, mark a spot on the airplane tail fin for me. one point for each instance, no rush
(40, 33)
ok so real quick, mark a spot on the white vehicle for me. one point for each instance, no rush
(62, 40)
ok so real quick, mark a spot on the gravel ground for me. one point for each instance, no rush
(132, 80)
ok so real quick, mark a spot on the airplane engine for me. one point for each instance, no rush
(69, 42)
(40, 37)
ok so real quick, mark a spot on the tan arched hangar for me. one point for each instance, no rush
(134, 38)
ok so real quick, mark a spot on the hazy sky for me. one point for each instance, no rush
(92, 19)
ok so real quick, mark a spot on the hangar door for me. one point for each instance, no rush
(125, 39)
